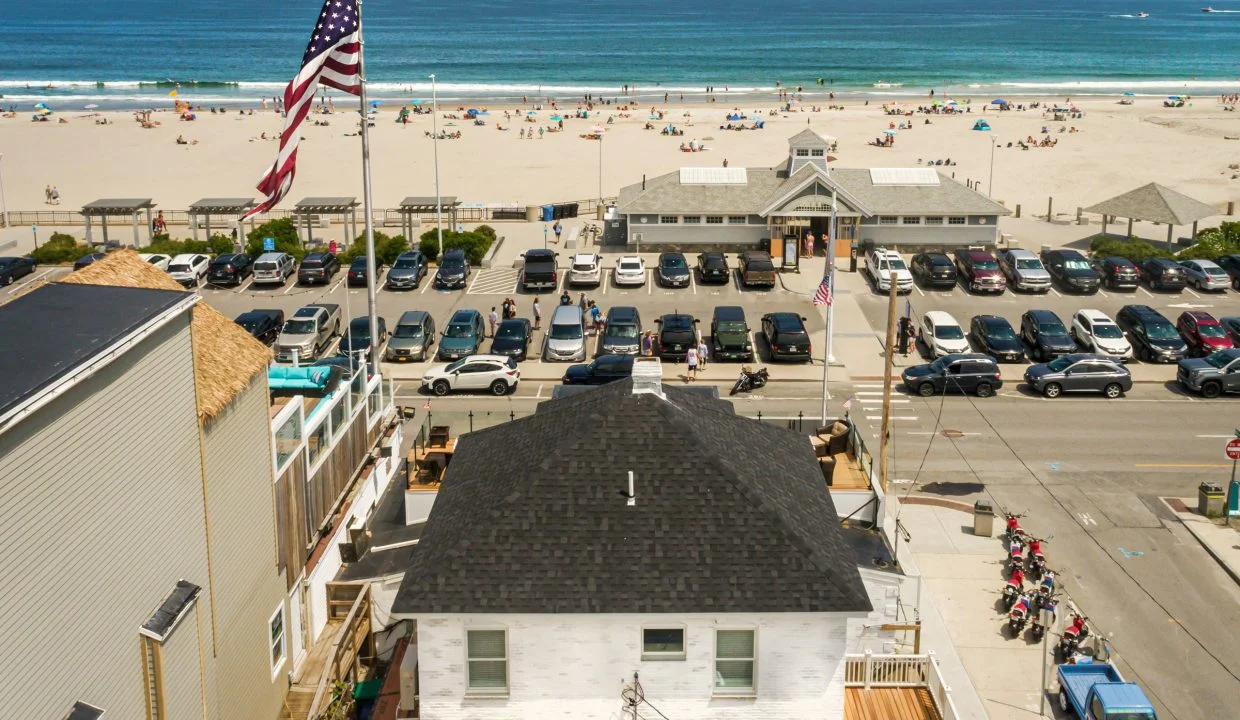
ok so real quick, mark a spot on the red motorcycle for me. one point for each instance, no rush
(1037, 561)
(1073, 635)
(1019, 615)
(1014, 529)
(1015, 586)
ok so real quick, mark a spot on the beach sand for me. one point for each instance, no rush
(1118, 148)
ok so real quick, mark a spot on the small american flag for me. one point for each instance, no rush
(823, 296)
(333, 58)
(848, 405)
(427, 406)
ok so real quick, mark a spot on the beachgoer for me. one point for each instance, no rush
(691, 359)
(47, 195)
(55, 195)
(809, 245)
(537, 313)
(558, 228)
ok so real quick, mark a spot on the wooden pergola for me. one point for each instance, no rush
(413, 207)
(1157, 204)
(118, 207)
(309, 208)
(228, 208)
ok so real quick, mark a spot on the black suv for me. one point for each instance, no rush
(676, 335)
(977, 374)
(1152, 335)
(713, 267)
(453, 270)
(604, 369)
(317, 267)
(933, 270)
(622, 334)
(264, 325)
(1071, 270)
(1046, 335)
(786, 336)
(357, 272)
(1161, 274)
(229, 269)
(995, 337)
(729, 335)
(673, 270)
(1118, 273)
(1231, 263)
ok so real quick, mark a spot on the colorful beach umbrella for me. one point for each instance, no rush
(1129, 94)
(531, 112)
(91, 106)
(40, 106)
(998, 101)
(556, 118)
(889, 132)
(376, 102)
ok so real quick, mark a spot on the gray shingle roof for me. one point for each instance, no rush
(1155, 203)
(808, 139)
(731, 515)
(665, 194)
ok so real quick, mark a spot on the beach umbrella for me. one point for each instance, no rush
(889, 132)
(1173, 97)
(415, 101)
(936, 103)
(531, 112)
(40, 106)
(598, 129)
(1129, 94)
(556, 118)
(998, 101)
(91, 106)
(951, 102)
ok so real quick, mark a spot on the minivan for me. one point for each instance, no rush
(274, 268)
(412, 337)
(623, 332)
(566, 337)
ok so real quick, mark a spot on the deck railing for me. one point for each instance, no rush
(877, 671)
(351, 642)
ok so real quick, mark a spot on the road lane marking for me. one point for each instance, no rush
(1220, 437)
(1086, 519)
(893, 417)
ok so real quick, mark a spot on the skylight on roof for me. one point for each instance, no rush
(713, 176)
(904, 176)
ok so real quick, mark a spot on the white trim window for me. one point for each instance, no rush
(935, 220)
(888, 219)
(817, 152)
(738, 219)
(735, 662)
(714, 219)
(276, 640)
(910, 220)
(957, 220)
(487, 662)
(663, 643)
(802, 152)
(669, 219)
(692, 219)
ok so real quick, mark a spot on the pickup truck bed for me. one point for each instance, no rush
(1080, 684)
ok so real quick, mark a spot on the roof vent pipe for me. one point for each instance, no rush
(632, 493)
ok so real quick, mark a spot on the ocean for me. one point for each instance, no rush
(131, 53)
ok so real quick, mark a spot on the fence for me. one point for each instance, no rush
(894, 671)
(341, 669)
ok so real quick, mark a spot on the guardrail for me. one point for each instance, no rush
(913, 671)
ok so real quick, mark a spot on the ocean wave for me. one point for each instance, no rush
(1124, 84)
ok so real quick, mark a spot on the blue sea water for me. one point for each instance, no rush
(124, 52)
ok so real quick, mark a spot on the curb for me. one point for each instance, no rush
(1231, 572)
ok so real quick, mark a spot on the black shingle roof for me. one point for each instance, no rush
(732, 515)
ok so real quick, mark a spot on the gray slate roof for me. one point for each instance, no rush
(116, 206)
(947, 198)
(808, 139)
(1155, 203)
(731, 515)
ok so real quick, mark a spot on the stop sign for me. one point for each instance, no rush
(1233, 449)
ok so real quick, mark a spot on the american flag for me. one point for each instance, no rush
(823, 296)
(333, 58)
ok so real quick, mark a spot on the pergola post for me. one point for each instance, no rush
(1170, 230)
(150, 226)
(104, 219)
(89, 235)
(1129, 228)
(136, 241)
(1104, 223)
(208, 226)
(193, 225)
(348, 222)
(305, 221)
(1194, 231)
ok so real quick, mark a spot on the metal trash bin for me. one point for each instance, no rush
(983, 518)
(1211, 500)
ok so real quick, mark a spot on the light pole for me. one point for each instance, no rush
(600, 169)
(4, 206)
(990, 181)
(435, 145)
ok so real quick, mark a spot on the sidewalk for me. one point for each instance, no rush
(1222, 541)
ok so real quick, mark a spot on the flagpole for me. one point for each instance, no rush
(435, 146)
(828, 271)
(366, 192)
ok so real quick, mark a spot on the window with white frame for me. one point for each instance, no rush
(956, 220)
(802, 152)
(693, 219)
(738, 220)
(663, 643)
(888, 220)
(934, 221)
(714, 219)
(276, 639)
(817, 152)
(668, 219)
(735, 660)
(910, 220)
(488, 661)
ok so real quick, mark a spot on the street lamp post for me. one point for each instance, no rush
(435, 146)
(4, 206)
(990, 181)
(600, 169)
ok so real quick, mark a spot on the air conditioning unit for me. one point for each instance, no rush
(638, 237)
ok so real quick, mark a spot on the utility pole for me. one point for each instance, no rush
(888, 363)
(435, 149)
(990, 180)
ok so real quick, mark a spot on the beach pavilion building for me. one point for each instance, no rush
(735, 208)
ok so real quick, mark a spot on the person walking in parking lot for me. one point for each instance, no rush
(558, 228)
(492, 318)
(648, 344)
(691, 360)
(701, 351)
(537, 313)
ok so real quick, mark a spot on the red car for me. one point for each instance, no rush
(1202, 332)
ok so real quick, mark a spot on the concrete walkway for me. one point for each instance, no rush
(1219, 538)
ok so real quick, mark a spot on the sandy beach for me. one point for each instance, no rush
(1118, 147)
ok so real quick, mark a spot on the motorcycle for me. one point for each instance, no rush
(1016, 554)
(1044, 617)
(1037, 561)
(1073, 635)
(1046, 588)
(750, 380)
(1019, 615)
(1015, 586)
(1014, 529)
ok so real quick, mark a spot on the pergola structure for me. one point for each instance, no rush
(1157, 204)
(308, 208)
(412, 208)
(118, 207)
(228, 208)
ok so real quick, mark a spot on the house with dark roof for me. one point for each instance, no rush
(742, 207)
(636, 543)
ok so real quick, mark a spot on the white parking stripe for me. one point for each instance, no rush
(649, 284)
(1147, 292)
(893, 417)
(1190, 292)
(692, 283)
(245, 287)
(1056, 292)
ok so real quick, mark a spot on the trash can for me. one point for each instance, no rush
(983, 519)
(548, 213)
(533, 213)
(1211, 500)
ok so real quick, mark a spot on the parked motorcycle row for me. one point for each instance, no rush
(1031, 595)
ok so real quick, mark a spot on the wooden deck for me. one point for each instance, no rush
(848, 475)
(301, 693)
(889, 704)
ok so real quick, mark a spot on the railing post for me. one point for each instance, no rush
(471, 420)
(869, 667)
(512, 415)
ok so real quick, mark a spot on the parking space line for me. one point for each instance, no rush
(245, 287)
(649, 284)
(919, 292)
(692, 283)
(1190, 292)
(477, 276)
(1147, 292)
(1103, 294)
(289, 289)
(1056, 292)
(335, 287)
(604, 283)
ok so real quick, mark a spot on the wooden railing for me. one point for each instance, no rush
(877, 671)
(352, 602)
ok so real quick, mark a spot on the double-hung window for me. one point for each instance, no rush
(735, 660)
(487, 658)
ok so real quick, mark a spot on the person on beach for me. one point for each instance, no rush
(691, 360)
(47, 195)
(55, 195)
(809, 245)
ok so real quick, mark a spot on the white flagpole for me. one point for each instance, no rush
(435, 146)
(366, 193)
(828, 271)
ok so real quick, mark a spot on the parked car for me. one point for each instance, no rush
(189, 269)
(407, 271)
(604, 369)
(497, 374)
(412, 338)
(673, 270)
(677, 333)
(995, 337)
(1206, 275)
(1202, 332)
(1024, 271)
(979, 271)
(357, 337)
(1072, 271)
(462, 336)
(1045, 334)
(957, 372)
(883, 265)
(786, 337)
(318, 267)
(309, 332)
(264, 325)
(1231, 263)
(1118, 273)
(622, 333)
(934, 270)
(229, 269)
(539, 270)
(942, 335)
(274, 268)
(348, 365)
(87, 259)
(566, 336)
(630, 271)
(453, 270)
(756, 269)
(12, 268)
(159, 260)
(1161, 274)
(1151, 335)
(357, 272)
(729, 335)
(512, 338)
(587, 269)
(1099, 334)
(713, 267)
(1231, 325)
(1212, 375)
(1079, 372)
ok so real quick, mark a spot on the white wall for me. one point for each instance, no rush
(418, 505)
(575, 666)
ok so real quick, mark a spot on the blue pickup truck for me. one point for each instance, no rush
(1096, 691)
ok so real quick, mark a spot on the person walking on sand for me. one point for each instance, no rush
(537, 313)
(691, 359)
(55, 196)
(492, 318)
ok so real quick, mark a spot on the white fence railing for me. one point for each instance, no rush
(877, 671)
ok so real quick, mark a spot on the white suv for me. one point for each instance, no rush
(630, 270)
(189, 270)
(586, 270)
(1099, 334)
(882, 264)
(497, 374)
(942, 334)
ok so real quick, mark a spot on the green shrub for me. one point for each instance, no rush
(1138, 251)
(164, 245)
(474, 243)
(1214, 242)
(285, 234)
(386, 248)
(58, 249)
(486, 231)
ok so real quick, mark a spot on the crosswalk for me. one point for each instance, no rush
(494, 281)
(868, 399)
